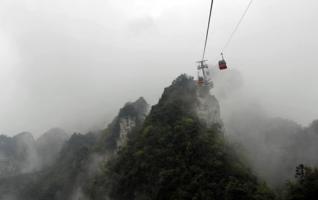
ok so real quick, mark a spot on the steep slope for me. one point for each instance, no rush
(132, 115)
(179, 153)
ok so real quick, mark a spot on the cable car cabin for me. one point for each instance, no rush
(222, 64)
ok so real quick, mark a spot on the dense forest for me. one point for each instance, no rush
(177, 149)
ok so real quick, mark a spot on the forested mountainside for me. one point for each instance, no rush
(180, 153)
(179, 149)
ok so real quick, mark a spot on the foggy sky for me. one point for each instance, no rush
(74, 63)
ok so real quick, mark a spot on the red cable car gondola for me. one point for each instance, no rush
(222, 63)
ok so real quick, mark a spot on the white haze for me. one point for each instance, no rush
(74, 63)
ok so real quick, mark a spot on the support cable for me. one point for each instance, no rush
(237, 26)
(207, 32)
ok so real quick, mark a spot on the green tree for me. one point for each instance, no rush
(306, 185)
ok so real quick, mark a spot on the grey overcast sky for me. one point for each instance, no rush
(74, 63)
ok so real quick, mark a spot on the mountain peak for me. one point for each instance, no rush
(50, 144)
(53, 133)
(189, 98)
(129, 117)
(178, 153)
(24, 136)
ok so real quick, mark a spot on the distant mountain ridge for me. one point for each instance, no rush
(81, 157)
(22, 154)
(50, 144)
(177, 149)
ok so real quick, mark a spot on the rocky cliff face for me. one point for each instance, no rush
(208, 109)
(132, 115)
(125, 126)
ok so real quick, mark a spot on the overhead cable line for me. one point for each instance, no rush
(237, 26)
(207, 31)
